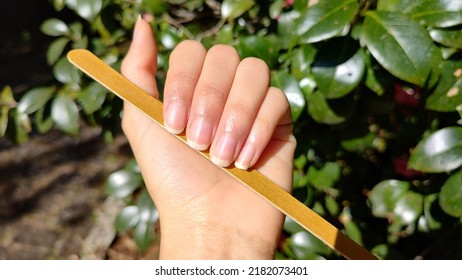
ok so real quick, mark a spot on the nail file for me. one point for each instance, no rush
(274, 194)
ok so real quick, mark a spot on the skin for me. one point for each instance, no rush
(225, 104)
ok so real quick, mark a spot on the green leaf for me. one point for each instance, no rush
(289, 85)
(6, 97)
(385, 251)
(325, 20)
(263, 47)
(76, 29)
(433, 214)
(320, 110)
(87, 9)
(122, 183)
(55, 50)
(338, 71)
(408, 208)
(43, 121)
(292, 227)
(3, 119)
(377, 78)
(155, 7)
(169, 37)
(133, 166)
(332, 206)
(449, 37)
(92, 98)
(276, 7)
(143, 235)
(231, 9)
(127, 218)
(301, 60)
(326, 177)
(439, 152)
(384, 196)
(54, 27)
(144, 230)
(450, 198)
(22, 127)
(225, 35)
(399, 44)
(359, 144)
(35, 99)
(448, 93)
(65, 114)
(148, 211)
(286, 29)
(304, 245)
(6, 103)
(435, 72)
(352, 229)
(65, 72)
(300, 5)
(436, 13)
(59, 4)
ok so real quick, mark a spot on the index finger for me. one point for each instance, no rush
(185, 66)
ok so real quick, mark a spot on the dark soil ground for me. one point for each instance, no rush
(52, 201)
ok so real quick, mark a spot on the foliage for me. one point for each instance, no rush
(141, 214)
(374, 88)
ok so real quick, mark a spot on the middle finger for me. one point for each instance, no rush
(210, 95)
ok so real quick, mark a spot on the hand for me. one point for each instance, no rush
(225, 104)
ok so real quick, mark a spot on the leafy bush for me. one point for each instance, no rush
(374, 88)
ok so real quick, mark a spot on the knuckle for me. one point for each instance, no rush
(264, 124)
(179, 83)
(242, 112)
(210, 92)
(238, 119)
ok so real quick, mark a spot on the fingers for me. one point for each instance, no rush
(220, 102)
(223, 103)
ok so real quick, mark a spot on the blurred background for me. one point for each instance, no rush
(374, 88)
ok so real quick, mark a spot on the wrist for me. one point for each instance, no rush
(203, 240)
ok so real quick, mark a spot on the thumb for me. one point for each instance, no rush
(140, 66)
(140, 63)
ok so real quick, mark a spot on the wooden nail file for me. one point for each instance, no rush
(282, 200)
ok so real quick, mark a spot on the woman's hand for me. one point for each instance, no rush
(224, 104)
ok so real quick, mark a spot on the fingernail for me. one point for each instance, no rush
(148, 17)
(224, 150)
(136, 30)
(200, 134)
(246, 157)
(175, 117)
